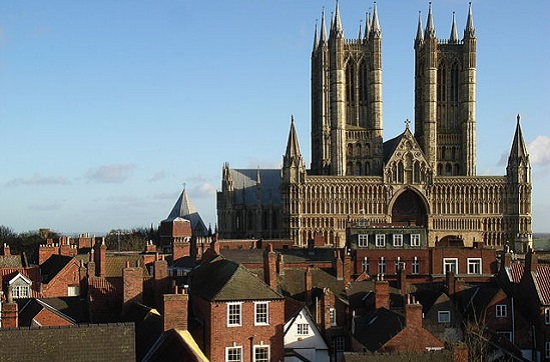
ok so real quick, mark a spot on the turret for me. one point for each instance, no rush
(518, 169)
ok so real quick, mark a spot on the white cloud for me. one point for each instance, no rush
(161, 175)
(116, 173)
(38, 179)
(539, 151)
(204, 190)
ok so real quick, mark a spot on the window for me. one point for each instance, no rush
(547, 315)
(397, 240)
(547, 349)
(415, 239)
(415, 266)
(501, 311)
(234, 314)
(302, 329)
(380, 240)
(444, 316)
(332, 316)
(20, 291)
(382, 266)
(450, 265)
(505, 334)
(366, 267)
(398, 264)
(363, 240)
(261, 313)
(73, 291)
(474, 265)
(234, 354)
(339, 343)
(261, 353)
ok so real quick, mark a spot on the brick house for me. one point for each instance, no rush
(62, 276)
(240, 316)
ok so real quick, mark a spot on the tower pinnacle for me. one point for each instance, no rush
(376, 32)
(470, 31)
(419, 34)
(430, 29)
(454, 33)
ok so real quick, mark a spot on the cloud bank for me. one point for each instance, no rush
(111, 174)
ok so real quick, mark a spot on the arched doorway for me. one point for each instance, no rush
(408, 207)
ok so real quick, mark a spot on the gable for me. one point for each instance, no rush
(412, 340)
(404, 153)
(48, 318)
(19, 280)
(294, 339)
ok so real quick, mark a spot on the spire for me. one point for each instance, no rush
(470, 31)
(184, 209)
(375, 32)
(419, 35)
(323, 29)
(337, 28)
(360, 36)
(368, 26)
(430, 29)
(315, 40)
(292, 146)
(519, 150)
(454, 33)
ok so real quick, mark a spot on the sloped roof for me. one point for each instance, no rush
(245, 183)
(291, 255)
(184, 209)
(292, 283)
(149, 326)
(176, 345)
(515, 272)
(361, 294)
(10, 261)
(225, 280)
(377, 328)
(52, 266)
(542, 282)
(33, 306)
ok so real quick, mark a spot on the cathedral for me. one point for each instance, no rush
(426, 178)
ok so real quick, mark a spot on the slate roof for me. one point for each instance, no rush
(11, 261)
(98, 343)
(115, 263)
(390, 146)
(291, 256)
(176, 345)
(225, 280)
(184, 209)
(376, 328)
(361, 294)
(432, 356)
(52, 266)
(292, 283)
(72, 309)
(245, 185)
(149, 326)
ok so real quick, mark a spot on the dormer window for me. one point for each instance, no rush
(20, 286)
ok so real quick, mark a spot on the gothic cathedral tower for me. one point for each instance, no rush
(346, 91)
(445, 93)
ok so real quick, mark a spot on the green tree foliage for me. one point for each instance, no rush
(26, 242)
(134, 239)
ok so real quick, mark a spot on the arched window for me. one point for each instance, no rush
(367, 168)
(358, 169)
(350, 93)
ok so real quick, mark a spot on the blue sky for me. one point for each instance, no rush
(108, 107)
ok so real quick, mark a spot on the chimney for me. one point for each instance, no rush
(64, 246)
(308, 285)
(459, 285)
(176, 311)
(91, 264)
(348, 266)
(281, 266)
(381, 293)
(6, 249)
(531, 261)
(413, 313)
(459, 351)
(10, 315)
(100, 257)
(338, 266)
(161, 281)
(82, 279)
(132, 281)
(402, 275)
(451, 283)
(270, 267)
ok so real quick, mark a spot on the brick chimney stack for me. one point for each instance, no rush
(451, 283)
(338, 265)
(6, 250)
(100, 258)
(308, 285)
(348, 266)
(413, 313)
(176, 310)
(381, 293)
(91, 264)
(281, 266)
(531, 261)
(10, 314)
(402, 275)
(132, 281)
(161, 280)
(270, 267)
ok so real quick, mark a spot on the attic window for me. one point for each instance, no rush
(302, 329)
(444, 316)
(20, 291)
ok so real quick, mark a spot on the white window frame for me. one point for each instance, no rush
(397, 240)
(501, 311)
(366, 265)
(263, 347)
(363, 240)
(382, 265)
(332, 316)
(73, 290)
(476, 264)
(20, 291)
(234, 348)
(380, 240)
(231, 313)
(397, 264)
(415, 266)
(302, 329)
(415, 239)
(546, 315)
(261, 318)
(441, 318)
(546, 349)
(450, 261)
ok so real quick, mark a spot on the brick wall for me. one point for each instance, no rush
(47, 318)
(59, 285)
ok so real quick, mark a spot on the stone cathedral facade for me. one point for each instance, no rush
(426, 178)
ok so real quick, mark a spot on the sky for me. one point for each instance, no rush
(109, 108)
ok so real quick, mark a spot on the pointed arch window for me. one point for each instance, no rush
(350, 92)
(441, 83)
(363, 83)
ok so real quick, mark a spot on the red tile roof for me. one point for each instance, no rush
(515, 272)
(542, 283)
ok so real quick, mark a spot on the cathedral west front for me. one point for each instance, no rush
(422, 178)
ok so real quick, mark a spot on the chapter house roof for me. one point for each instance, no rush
(184, 209)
